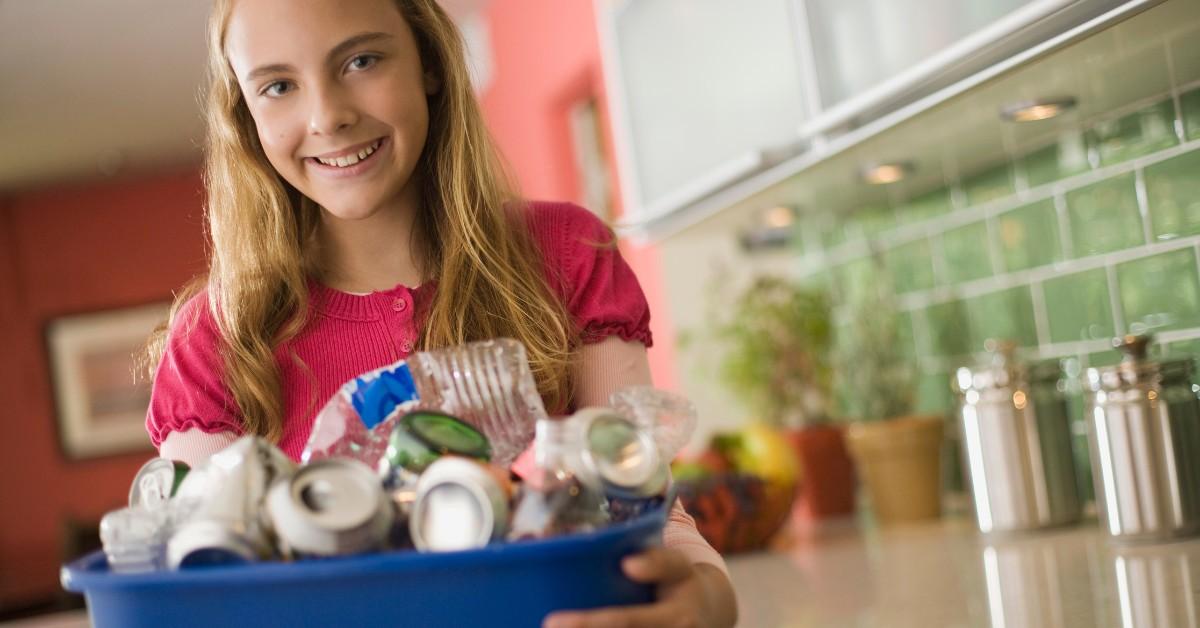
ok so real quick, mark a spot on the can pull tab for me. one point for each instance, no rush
(1135, 347)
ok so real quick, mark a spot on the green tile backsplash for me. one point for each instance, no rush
(1078, 307)
(966, 253)
(1006, 314)
(1140, 133)
(924, 207)
(912, 266)
(1190, 103)
(989, 186)
(1105, 217)
(1029, 237)
(1074, 260)
(1173, 194)
(1160, 292)
(1066, 157)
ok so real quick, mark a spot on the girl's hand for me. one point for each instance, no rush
(689, 595)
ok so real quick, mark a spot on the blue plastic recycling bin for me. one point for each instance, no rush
(504, 584)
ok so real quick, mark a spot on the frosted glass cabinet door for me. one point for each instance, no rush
(704, 85)
(858, 44)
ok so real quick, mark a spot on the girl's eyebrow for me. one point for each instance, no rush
(336, 51)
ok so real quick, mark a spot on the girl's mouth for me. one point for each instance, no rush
(350, 165)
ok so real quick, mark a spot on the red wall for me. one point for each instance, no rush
(66, 250)
(546, 58)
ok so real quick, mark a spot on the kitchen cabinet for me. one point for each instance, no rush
(704, 92)
(872, 56)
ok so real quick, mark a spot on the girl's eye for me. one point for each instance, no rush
(275, 89)
(362, 62)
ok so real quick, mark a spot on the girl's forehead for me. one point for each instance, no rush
(294, 31)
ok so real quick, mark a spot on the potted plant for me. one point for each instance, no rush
(897, 453)
(777, 341)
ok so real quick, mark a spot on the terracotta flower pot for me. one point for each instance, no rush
(829, 486)
(900, 461)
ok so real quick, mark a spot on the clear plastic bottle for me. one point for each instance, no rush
(557, 498)
(487, 384)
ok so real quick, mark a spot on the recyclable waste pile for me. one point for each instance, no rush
(415, 455)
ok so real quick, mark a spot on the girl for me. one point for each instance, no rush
(358, 213)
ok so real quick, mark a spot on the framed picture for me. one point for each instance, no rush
(101, 404)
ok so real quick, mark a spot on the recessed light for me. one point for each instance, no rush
(1034, 110)
(780, 217)
(891, 172)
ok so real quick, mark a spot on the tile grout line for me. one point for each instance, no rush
(1064, 226)
(1114, 299)
(993, 245)
(1143, 202)
(1041, 319)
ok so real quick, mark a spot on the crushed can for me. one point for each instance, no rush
(217, 514)
(459, 504)
(625, 459)
(332, 507)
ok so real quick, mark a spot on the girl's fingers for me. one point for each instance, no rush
(660, 565)
(648, 616)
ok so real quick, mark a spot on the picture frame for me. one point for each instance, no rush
(99, 402)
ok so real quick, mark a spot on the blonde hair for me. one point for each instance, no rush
(490, 274)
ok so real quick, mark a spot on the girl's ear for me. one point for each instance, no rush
(433, 84)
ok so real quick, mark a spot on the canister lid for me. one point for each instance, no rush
(1003, 370)
(1137, 367)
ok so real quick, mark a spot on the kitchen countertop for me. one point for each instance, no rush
(944, 573)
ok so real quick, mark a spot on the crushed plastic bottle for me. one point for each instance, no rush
(669, 417)
(487, 384)
(134, 539)
(561, 497)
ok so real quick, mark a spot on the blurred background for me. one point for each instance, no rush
(831, 206)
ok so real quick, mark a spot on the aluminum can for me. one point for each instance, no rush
(156, 482)
(625, 459)
(459, 504)
(419, 438)
(331, 507)
(217, 514)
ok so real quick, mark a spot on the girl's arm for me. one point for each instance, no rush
(194, 446)
(693, 582)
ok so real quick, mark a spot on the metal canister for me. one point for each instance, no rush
(217, 513)
(331, 507)
(1145, 440)
(460, 504)
(1017, 443)
(625, 459)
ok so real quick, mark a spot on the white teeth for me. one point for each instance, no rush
(350, 160)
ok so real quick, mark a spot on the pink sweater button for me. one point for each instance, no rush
(399, 304)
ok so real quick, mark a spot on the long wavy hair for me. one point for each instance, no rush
(491, 280)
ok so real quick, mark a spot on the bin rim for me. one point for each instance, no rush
(90, 572)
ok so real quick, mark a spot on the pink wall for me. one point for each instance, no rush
(547, 57)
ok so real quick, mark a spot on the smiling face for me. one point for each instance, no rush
(338, 96)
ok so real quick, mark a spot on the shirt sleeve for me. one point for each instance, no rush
(189, 390)
(601, 291)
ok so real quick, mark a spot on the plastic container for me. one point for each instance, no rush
(511, 584)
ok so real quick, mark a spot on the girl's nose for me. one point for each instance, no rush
(331, 112)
